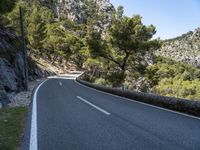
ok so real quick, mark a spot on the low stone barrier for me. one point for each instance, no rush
(182, 105)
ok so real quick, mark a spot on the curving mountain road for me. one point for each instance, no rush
(68, 116)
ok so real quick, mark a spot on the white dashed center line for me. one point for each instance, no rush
(96, 107)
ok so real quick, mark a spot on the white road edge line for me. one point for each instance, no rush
(98, 108)
(165, 109)
(60, 83)
(33, 145)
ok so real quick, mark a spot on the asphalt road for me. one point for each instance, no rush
(70, 116)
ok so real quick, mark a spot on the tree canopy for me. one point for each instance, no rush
(125, 38)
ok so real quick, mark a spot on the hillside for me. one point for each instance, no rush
(53, 31)
(185, 48)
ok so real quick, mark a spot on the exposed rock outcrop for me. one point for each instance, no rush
(78, 10)
(185, 48)
(11, 61)
(12, 66)
(8, 76)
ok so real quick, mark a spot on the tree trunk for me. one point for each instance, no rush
(54, 59)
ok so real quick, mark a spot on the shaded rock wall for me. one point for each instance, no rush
(12, 66)
(11, 61)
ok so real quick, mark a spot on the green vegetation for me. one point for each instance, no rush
(171, 78)
(6, 6)
(47, 36)
(37, 26)
(11, 127)
(126, 38)
(165, 77)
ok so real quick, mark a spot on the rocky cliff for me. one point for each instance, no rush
(185, 48)
(78, 10)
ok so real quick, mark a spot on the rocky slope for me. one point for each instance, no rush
(185, 48)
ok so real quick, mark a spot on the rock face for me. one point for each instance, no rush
(185, 48)
(4, 100)
(8, 76)
(12, 66)
(11, 61)
(72, 9)
(78, 10)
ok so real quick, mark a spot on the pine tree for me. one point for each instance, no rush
(126, 38)
(120, 12)
(37, 30)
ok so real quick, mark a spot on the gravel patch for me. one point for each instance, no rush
(24, 98)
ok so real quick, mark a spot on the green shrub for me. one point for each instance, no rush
(102, 81)
(171, 78)
(186, 76)
(179, 88)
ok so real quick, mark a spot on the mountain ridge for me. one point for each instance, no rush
(184, 48)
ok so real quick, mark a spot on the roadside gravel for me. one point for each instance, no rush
(24, 98)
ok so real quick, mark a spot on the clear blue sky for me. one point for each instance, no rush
(171, 17)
